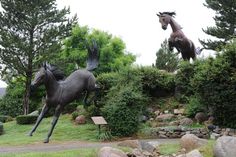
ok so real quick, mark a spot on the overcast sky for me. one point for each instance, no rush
(136, 23)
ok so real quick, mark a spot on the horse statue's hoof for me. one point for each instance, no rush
(46, 140)
(30, 134)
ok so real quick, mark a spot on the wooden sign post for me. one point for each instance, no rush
(99, 120)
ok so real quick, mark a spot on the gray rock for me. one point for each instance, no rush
(225, 147)
(130, 143)
(186, 122)
(190, 142)
(110, 152)
(201, 117)
(148, 146)
(164, 117)
(34, 113)
(194, 153)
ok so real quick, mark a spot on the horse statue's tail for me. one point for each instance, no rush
(93, 56)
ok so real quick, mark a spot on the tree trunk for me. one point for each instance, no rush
(27, 94)
(29, 74)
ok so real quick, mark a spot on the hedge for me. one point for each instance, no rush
(5, 118)
(26, 119)
(1, 128)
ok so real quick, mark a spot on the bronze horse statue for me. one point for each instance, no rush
(59, 92)
(177, 38)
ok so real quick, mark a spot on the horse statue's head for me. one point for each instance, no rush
(42, 73)
(165, 18)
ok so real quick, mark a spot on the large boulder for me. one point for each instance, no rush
(110, 152)
(201, 117)
(186, 122)
(191, 141)
(80, 119)
(225, 147)
(130, 143)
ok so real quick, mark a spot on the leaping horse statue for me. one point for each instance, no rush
(177, 38)
(59, 93)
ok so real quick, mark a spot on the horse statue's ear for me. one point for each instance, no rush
(158, 15)
(45, 65)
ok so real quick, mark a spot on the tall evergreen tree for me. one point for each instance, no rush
(30, 31)
(166, 59)
(225, 23)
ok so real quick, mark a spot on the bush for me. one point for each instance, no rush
(194, 106)
(26, 119)
(74, 115)
(11, 106)
(215, 83)
(1, 128)
(157, 83)
(123, 109)
(182, 81)
(5, 118)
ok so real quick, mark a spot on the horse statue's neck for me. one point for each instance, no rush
(174, 25)
(51, 84)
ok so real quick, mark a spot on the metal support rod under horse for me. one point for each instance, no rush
(60, 93)
(177, 38)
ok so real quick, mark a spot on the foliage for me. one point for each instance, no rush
(215, 83)
(166, 59)
(225, 23)
(11, 103)
(5, 118)
(182, 81)
(30, 32)
(112, 50)
(207, 150)
(123, 106)
(154, 81)
(26, 119)
(1, 128)
(74, 115)
(194, 106)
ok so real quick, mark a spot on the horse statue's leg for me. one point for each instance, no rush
(39, 119)
(54, 122)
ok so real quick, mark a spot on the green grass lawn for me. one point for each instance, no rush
(65, 130)
(86, 152)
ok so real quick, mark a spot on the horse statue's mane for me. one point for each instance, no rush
(172, 14)
(57, 73)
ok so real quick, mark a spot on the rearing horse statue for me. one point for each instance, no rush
(177, 38)
(59, 93)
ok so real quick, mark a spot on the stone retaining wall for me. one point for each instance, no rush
(178, 132)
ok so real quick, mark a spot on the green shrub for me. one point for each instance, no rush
(157, 83)
(74, 115)
(123, 108)
(215, 83)
(26, 119)
(194, 106)
(182, 81)
(11, 106)
(5, 118)
(1, 128)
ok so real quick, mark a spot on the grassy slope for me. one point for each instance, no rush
(65, 130)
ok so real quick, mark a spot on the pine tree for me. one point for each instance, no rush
(225, 23)
(166, 59)
(30, 31)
